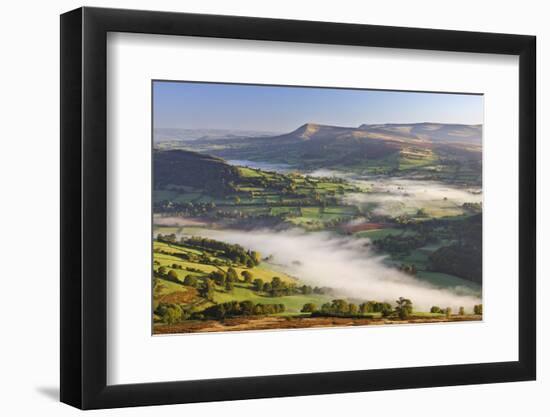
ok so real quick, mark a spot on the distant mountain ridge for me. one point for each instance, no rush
(429, 149)
(414, 132)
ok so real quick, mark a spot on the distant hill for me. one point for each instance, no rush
(433, 132)
(418, 133)
(163, 135)
(451, 152)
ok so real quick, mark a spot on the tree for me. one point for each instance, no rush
(219, 277)
(306, 289)
(229, 286)
(461, 311)
(172, 314)
(436, 309)
(448, 312)
(247, 276)
(207, 290)
(326, 308)
(421, 213)
(478, 309)
(191, 281)
(340, 306)
(247, 308)
(309, 308)
(256, 257)
(231, 275)
(258, 284)
(172, 275)
(276, 283)
(267, 287)
(353, 309)
(404, 308)
(370, 307)
(162, 270)
(386, 310)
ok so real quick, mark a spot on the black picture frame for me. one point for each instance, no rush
(84, 207)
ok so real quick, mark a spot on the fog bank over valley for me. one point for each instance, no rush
(345, 264)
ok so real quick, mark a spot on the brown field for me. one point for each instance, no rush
(364, 227)
(271, 323)
(179, 297)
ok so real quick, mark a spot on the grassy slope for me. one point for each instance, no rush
(262, 271)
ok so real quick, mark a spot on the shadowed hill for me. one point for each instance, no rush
(185, 168)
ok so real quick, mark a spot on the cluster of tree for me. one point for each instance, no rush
(448, 311)
(235, 253)
(408, 269)
(184, 209)
(167, 274)
(403, 308)
(276, 288)
(463, 258)
(403, 244)
(478, 309)
(207, 289)
(473, 207)
(279, 288)
(191, 281)
(376, 307)
(222, 278)
(239, 308)
(343, 308)
(171, 313)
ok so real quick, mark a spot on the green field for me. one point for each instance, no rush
(293, 303)
(261, 271)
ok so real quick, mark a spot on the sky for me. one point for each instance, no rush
(194, 105)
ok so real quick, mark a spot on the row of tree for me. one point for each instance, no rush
(279, 288)
(343, 308)
(403, 309)
(478, 310)
(239, 308)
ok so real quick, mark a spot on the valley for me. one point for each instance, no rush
(324, 226)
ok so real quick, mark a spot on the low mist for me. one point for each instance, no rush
(396, 196)
(346, 265)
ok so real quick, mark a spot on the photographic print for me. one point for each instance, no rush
(286, 207)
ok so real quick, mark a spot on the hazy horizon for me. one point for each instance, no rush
(219, 106)
(203, 128)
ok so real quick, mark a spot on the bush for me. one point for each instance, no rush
(308, 308)
(172, 275)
